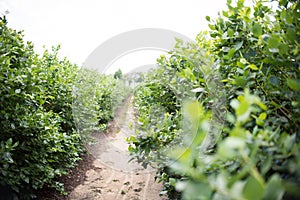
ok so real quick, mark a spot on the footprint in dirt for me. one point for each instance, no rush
(117, 178)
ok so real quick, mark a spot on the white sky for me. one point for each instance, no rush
(82, 25)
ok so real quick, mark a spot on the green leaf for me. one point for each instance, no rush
(212, 27)
(238, 45)
(290, 142)
(260, 119)
(225, 14)
(26, 179)
(197, 190)
(230, 32)
(274, 189)
(283, 49)
(283, 15)
(230, 118)
(207, 18)
(240, 81)
(240, 64)
(266, 165)
(291, 34)
(257, 30)
(239, 132)
(242, 108)
(8, 157)
(294, 84)
(289, 18)
(263, 116)
(231, 53)
(273, 43)
(131, 139)
(8, 143)
(253, 67)
(172, 181)
(253, 189)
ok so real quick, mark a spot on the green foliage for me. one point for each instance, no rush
(118, 74)
(238, 138)
(241, 163)
(260, 55)
(47, 107)
(158, 103)
(95, 99)
(38, 137)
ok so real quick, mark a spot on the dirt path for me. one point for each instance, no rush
(111, 176)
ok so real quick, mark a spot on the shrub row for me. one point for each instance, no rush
(233, 128)
(45, 113)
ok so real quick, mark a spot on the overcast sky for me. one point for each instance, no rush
(80, 26)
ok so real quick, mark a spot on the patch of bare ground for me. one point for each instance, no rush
(105, 173)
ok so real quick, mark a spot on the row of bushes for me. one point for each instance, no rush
(43, 111)
(219, 119)
(96, 98)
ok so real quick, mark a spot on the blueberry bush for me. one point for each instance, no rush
(38, 137)
(43, 103)
(219, 119)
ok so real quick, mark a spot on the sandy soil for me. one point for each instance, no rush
(105, 173)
